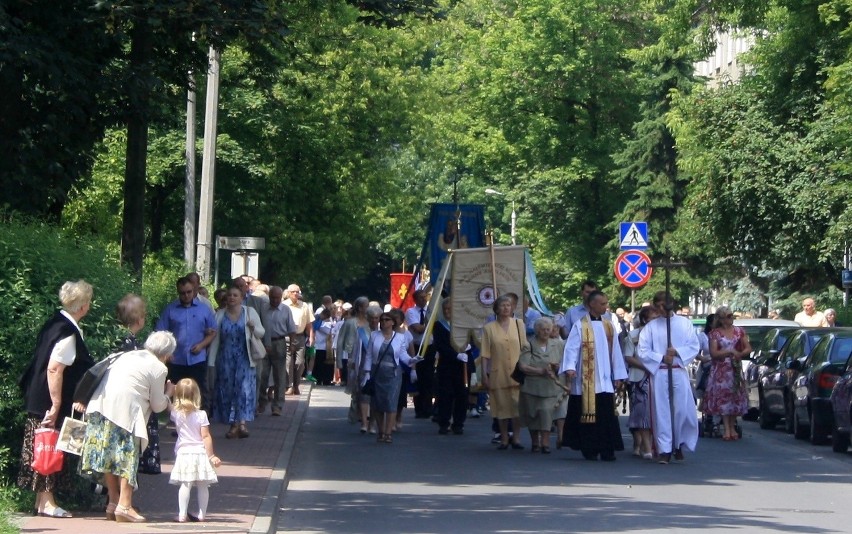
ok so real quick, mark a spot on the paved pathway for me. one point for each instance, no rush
(251, 480)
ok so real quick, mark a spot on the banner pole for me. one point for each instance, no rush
(493, 267)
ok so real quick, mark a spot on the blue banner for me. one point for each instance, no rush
(453, 226)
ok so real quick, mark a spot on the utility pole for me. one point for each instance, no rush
(189, 183)
(208, 168)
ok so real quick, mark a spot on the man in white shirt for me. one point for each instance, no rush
(416, 318)
(809, 316)
(278, 324)
(302, 336)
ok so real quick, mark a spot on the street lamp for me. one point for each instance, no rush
(490, 191)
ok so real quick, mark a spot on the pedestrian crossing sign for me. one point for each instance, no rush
(633, 235)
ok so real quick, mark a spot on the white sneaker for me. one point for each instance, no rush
(473, 413)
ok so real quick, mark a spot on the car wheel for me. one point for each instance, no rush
(819, 434)
(839, 441)
(799, 431)
(767, 421)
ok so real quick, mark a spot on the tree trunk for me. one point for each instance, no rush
(133, 222)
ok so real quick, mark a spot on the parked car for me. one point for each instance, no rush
(813, 416)
(763, 358)
(774, 387)
(758, 328)
(841, 404)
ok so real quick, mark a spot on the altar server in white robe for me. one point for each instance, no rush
(594, 366)
(658, 357)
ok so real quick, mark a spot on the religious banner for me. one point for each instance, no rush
(453, 227)
(479, 276)
(399, 289)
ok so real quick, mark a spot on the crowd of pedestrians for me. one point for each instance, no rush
(229, 359)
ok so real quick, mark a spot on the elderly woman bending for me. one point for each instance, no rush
(540, 360)
(133, 386)
(60, 359)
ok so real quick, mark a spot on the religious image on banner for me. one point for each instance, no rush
(400, 288)
(453, 227)
(473, 293)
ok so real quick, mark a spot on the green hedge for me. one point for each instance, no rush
(35, 260)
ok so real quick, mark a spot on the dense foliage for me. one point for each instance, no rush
(35, 260)
(340, 121)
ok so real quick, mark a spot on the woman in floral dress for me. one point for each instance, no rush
(236, 379)
(726, 393)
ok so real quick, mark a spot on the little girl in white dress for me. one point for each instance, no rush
(194, 457)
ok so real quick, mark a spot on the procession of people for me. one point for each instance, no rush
(561, 378)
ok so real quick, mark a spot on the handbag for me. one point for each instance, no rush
(71, 435)
(518, 375)
(91, 379)
(369, 387)
(258, 351)
(47, 459)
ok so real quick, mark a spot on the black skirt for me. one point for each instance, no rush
(602, 436)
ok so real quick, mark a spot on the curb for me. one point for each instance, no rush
(266, 519)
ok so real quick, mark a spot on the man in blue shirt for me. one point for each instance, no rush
(194, 327)
(575, 313)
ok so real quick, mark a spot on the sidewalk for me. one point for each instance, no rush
(252, 478)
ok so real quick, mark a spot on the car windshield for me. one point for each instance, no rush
(756, 334)
(841, 350)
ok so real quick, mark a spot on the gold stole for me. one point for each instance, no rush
(587, 353)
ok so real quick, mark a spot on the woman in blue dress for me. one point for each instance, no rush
(230, 354)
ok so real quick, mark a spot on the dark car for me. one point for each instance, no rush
(841, 404)
(776, 398)
(763, 358)
(813, 416)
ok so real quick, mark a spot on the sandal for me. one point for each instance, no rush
(388, 438)
(232, 433)
(535, 449)
(502, 446)
(55, 512)
(126, 514)
(545, 450)
(242, 432)
(110, 511)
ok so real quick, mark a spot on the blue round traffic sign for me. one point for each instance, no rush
(633, 268)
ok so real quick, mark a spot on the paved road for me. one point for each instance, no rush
(342, 481)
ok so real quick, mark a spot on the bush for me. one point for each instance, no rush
(35, 260)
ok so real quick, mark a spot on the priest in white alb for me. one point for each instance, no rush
(659, 358)
(594, 366)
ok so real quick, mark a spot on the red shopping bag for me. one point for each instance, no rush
(47, 459)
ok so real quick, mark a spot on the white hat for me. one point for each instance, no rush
(347, 306)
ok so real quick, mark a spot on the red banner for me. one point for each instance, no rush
(399, 287)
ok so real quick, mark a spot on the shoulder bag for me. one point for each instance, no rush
(369, 387)
(518, 375)
(91, 379)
